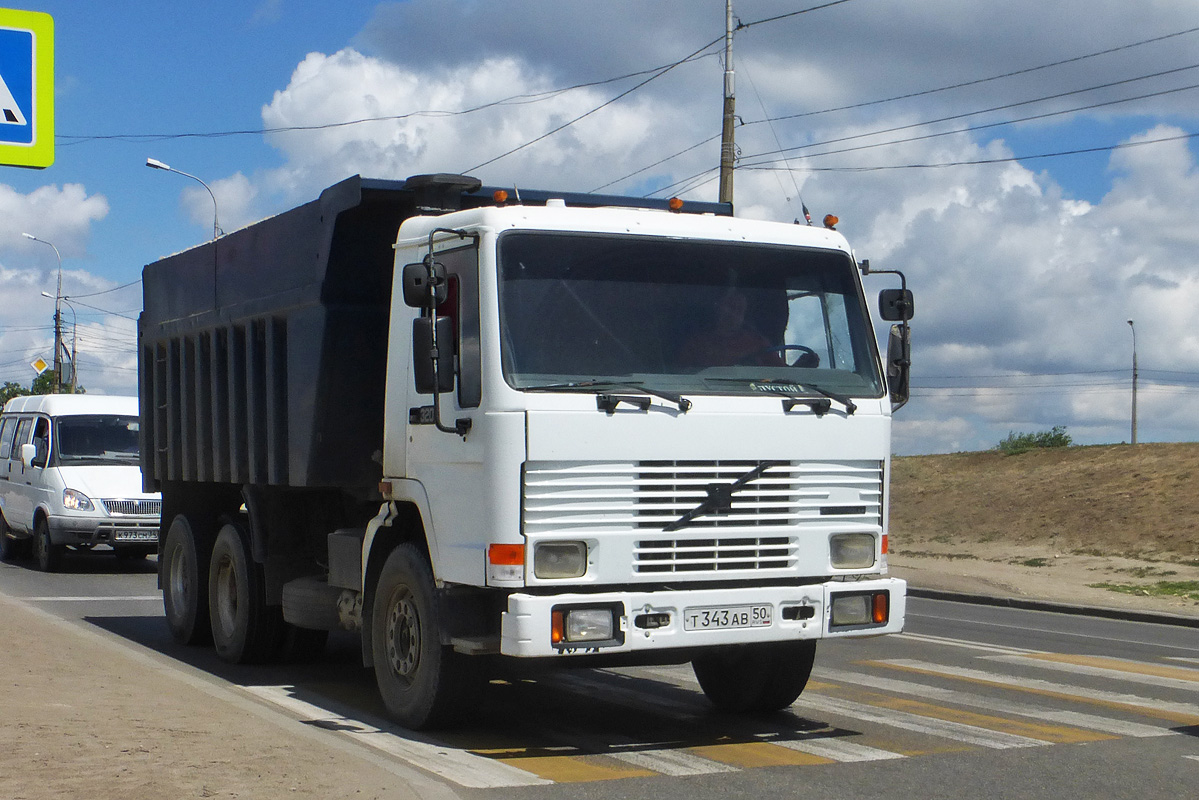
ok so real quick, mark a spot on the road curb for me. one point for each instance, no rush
(1127, 615)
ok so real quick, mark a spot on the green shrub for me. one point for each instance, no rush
(1016, 443)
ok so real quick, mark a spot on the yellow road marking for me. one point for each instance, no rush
(749, 755)
(1144, 710)
(568, 768)
(1120, 665)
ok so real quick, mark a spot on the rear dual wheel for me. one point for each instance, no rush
(245, 630)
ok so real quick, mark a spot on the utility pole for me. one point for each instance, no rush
(57, 315)
(727, 147)
(1134, 381)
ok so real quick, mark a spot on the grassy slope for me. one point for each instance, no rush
(1139, 501)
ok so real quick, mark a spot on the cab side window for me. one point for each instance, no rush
(41, 441)
(24, 429)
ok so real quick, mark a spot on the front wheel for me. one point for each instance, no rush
(47, 554)
(424, 684)
(756, 678)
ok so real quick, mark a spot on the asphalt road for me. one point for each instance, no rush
(970, 701)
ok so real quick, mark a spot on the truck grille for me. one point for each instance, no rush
(598, 497)
(133, 508)
(710, 555)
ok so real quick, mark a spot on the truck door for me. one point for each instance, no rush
(450, 466)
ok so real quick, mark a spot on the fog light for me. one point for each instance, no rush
(850, 609)
(852, 550)
(560, 559)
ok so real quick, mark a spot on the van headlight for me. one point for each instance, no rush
(852, 550)
(560, 559)
(75, 501)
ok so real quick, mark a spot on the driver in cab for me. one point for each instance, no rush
(728, 340)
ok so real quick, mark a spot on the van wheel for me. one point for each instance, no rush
(183, 572)
(756, 678)
(424, 684)
(47, 554)
(245, 630)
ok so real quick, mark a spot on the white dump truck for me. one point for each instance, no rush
(489, 431)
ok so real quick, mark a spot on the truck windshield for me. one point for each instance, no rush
(697, 317)
(96, 439)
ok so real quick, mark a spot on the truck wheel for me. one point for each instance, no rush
(47, 554)
(756, 678)
(184, 576)
(424, 684)
(245, 630)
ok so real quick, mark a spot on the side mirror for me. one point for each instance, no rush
(28, 454)
(896, 305)
(899, 364)
(423, 353)
(421, 290)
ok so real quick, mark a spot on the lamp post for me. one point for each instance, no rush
(1134, 381)
(74, 340)
(57, 314)
(154, 163)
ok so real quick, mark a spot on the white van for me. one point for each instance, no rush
(70, 476)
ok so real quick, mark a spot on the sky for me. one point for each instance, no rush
(1029, 166)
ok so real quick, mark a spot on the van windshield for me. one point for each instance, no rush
(678, 315)
(96, 439)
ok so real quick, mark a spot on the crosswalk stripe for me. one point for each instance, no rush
(1132, 671)
(1182, 713)
(838, 749)
(915, 722)
(464, 769)
(1107, 725)
(964, 643)
(750, 755)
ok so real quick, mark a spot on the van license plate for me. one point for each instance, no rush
(136, 536)
(705, 619)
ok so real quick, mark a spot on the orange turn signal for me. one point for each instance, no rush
(557, 626)
(881, 608)
(884, 544)
(512, 555)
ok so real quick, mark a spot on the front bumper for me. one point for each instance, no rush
(77, 530)
(527, 624)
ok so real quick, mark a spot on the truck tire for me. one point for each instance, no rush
(756, 678)
(47, 554)
(424, 684)
(184, 576)
(245, 630)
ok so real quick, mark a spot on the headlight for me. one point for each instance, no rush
(582, 625)
(75, 501)
(852, 550)
(560, 559)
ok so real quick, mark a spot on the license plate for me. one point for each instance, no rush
(717, 618)
(136, 536)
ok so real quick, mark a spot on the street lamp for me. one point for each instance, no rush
(1134, 381)
(154, 163)
(74, 340)
(57, 314)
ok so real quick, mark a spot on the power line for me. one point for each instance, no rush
(978, 81)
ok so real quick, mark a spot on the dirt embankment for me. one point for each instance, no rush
(1052, 523)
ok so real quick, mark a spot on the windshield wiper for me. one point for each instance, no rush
(799, 394)
(608, 402)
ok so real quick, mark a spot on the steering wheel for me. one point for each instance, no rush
(809, 358)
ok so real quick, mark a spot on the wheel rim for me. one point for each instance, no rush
(41, 546)
(178, 584)
(226, 593)
(403, 636)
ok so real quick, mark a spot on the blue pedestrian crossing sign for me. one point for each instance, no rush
(26, 89)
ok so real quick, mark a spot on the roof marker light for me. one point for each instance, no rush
(675, 204)
(500, 196)
(830, 222)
